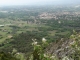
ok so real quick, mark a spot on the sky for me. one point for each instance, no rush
(37, 2)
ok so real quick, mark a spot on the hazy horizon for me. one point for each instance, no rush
(37, 2)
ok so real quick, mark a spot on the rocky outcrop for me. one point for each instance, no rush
(61, 48)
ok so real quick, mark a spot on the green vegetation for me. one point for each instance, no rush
(6, 56)
(39, 52)
(20, 25)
